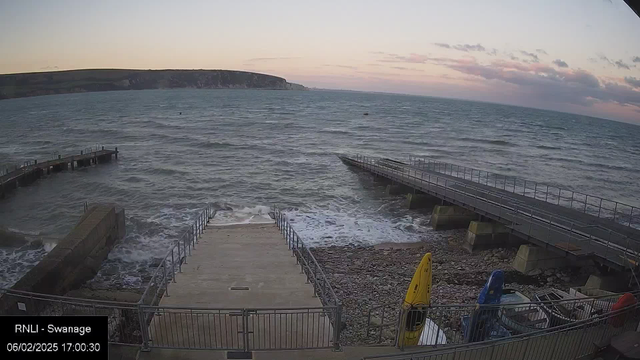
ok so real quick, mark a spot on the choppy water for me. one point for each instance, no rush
(245, 150)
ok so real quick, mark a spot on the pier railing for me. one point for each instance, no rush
(600, 207)
(615, 248)
(575, 340)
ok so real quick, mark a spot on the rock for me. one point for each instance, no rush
(534, 272)
(375, 321)
(548, 272)
(550, 279)
(566, 279)
(9, 238)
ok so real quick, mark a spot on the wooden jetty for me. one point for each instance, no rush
(28, 173)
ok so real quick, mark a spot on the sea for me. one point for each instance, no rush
(245, 151)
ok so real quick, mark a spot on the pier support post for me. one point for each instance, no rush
(531, 257)
(486, 235)
(420, 201)
(397, 189)
(451, 217)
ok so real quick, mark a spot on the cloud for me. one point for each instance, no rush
(49, 68)
(493, 52)
(547, 84)
(560, 63)
(621, 65)
(467, 47)
(406, 69)
(632, 81)
(342, 66)
(272, 59)
(535, 81)
(635, 59)
(617, 63)
(533, 57)
(461, 47)
(541, 51)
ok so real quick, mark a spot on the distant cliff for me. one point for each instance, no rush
(74, 81)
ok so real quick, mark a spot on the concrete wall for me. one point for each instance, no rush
(75, 259)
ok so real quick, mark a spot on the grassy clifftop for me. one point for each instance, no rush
(73, 81)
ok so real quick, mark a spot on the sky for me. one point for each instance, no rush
(578, 56)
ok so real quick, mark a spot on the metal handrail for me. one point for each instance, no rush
(594, 321)
(467, 173)
(510, 206)
(177, 255)
(297, 246)
(313, 271)
(597, 303)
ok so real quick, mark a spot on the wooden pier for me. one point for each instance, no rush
(27, 174)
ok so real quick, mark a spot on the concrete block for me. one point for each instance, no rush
(607, 283)
(420, 201)
(398, 189)
(486, 235)
(451, 217)
(531, 257)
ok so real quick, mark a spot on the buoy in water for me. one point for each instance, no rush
(365, 114)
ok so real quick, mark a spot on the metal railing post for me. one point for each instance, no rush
(337, 326)
(166, 283)
(180, 256)
(173, 268)
(143, 329)
(571, 204)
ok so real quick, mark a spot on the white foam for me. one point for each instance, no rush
(247, 215)
(24, 232)
(326, 227)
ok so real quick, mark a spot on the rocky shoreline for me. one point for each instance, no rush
(366, 277)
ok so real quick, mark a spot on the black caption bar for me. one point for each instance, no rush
(43, 337)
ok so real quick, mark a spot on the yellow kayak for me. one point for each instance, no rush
(418, 296)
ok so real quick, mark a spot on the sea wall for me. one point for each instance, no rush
(74, 260)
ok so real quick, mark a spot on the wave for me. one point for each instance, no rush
(24, 232)
(486, 141)
(237, 214)
(167, 171)
(336, 131)
(548, 147)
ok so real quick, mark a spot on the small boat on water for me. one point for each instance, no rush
(522, 316)
(563, 308)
